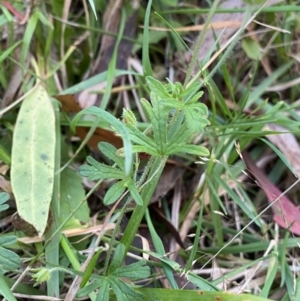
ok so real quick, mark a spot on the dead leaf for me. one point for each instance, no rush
(286, 214)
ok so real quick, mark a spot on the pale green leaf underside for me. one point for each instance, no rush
(33, 152)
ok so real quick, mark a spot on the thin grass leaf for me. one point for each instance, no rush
(8, 51)
(201, 283)
(5, 290)
(254, 96)
(279, 154)
(159, 247)
(271, 275)
(145, 51)
(27, 37)
(112, 64)
(247, 207)
(99, 78)
(93, 8)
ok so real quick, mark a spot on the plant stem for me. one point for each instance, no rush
(146, 194)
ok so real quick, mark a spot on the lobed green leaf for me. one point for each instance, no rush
(97, 171)
(114, 192)
(4, 197)
(111, 152)
(9, 260)
(134, 271)
(157, 87)
(117, 259)
(117, 124)
(197, 150)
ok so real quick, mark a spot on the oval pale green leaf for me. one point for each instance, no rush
(33, 152)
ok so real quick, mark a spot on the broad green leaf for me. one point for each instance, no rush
(3, 198)
(114, 193)
(33, 152)
(71, 194)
